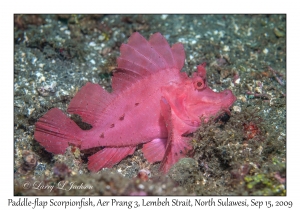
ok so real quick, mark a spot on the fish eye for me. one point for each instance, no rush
(199, 83)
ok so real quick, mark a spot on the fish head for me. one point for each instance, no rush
(201, 101)
(193, 100)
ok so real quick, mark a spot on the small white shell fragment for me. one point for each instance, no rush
(226, 48)
(92, 44)
(93, 61)
(237, 108)
(30, 111)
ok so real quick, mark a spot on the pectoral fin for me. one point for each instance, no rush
(108, 157)
(154, 150)
(177, 145)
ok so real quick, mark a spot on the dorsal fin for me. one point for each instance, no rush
(140, 57)
(178, 55)
(90, 102)
(123, 79)
(161, 46)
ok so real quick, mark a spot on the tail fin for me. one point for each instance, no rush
(55, 131)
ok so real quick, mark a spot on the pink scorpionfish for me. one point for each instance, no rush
(152, 103)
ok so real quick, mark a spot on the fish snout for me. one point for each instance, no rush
(228, 98)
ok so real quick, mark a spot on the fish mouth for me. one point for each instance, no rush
(221, 99)
(223, 116)
(229, 98)
(224, 113)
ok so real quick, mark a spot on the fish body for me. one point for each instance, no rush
(152, 103)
